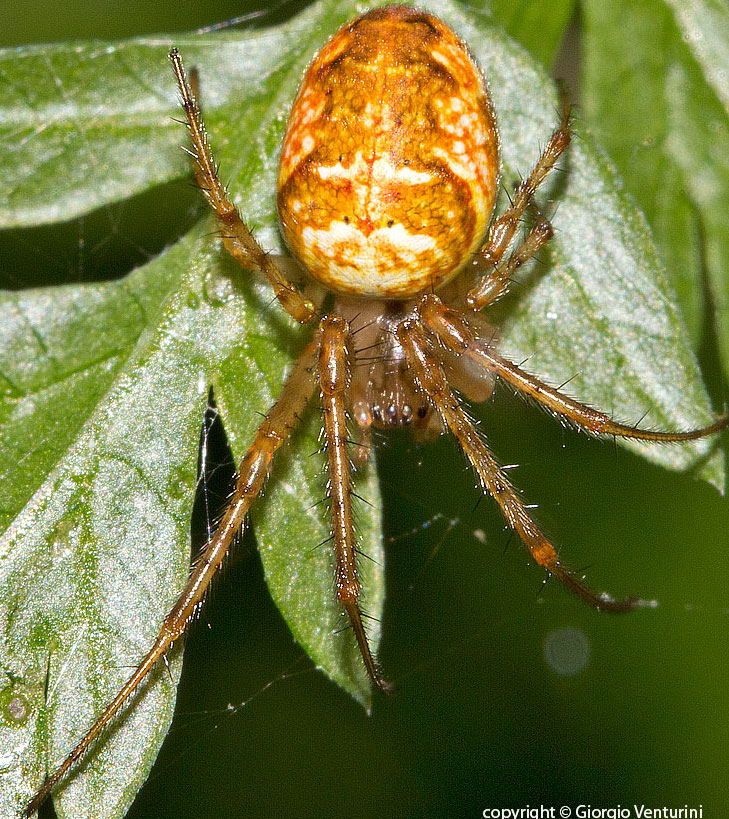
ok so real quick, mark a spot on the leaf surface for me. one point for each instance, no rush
(656, 92)
(104, 392)
(538, 26)
(602, 314)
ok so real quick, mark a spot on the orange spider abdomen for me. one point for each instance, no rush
(390, 163)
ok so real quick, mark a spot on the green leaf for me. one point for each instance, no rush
(93, 562)
(603, 315)
(656, 95)
(538, 26)
(104, 384)
(71, 113)
(104, 388)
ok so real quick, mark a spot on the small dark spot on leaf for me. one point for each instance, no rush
(17, 709)
(14, 706)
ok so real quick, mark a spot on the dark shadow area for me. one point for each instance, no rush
(106, 244)
(37, 22)
(215, 478)
(566, 68)
(708, 353)
(47, 811)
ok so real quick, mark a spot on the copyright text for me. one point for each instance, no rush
(592, 812)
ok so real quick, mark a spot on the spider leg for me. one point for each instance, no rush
(453, 330)
(493, 284)
(253, 470)
(491, 287)
(430, 376)
(335, 379)
(237, 238)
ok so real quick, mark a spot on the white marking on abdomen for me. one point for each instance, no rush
(364, 262)
(383, 171)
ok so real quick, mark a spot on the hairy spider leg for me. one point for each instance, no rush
(335, 378)
(237, 238)
(430, 376)
(453, 330)
(252, 473)
(495, 283)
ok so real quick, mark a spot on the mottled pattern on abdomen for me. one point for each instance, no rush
(389, 166)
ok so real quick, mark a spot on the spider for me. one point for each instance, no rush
(387, 184)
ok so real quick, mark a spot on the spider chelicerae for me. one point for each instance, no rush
(387, 183)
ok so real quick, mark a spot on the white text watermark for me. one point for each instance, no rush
(595, 812)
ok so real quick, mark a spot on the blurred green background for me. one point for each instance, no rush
(486, 713)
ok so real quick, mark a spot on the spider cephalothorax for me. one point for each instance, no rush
(387, 183)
